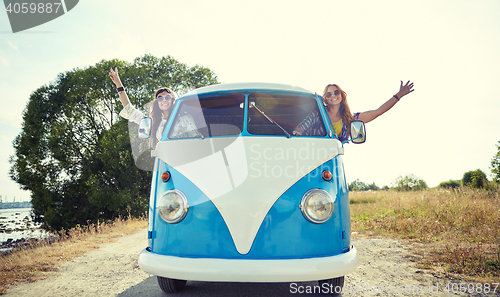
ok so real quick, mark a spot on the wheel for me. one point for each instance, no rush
(335, 285)
(170, 285)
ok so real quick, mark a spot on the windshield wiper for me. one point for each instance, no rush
(252, 104)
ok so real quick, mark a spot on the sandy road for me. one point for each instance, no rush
(112, 270)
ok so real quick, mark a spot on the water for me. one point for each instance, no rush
(15, 224)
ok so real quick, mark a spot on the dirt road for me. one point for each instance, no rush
(112, 270)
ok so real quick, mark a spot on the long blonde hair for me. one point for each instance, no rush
(156, 113)
(345, 111)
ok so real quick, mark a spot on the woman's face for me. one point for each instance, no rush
(165, 101)
(333, 98)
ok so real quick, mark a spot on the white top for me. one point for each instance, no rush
(132, 114)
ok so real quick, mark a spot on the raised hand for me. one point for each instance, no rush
(113, 74)
(405, 89)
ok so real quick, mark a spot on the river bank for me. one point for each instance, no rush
(17, 229)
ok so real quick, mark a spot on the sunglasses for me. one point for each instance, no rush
(329, 94)
(166, 97)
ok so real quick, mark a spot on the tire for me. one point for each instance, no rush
(170, 285)
(335, 284)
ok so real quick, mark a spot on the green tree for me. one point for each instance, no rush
(357, 185)
(495, 165)
(451, 184)
(475, 179)
(373, 187)
(73, 152)
(409, 182)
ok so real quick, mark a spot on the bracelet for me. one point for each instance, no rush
(396, 96)
(120, 89)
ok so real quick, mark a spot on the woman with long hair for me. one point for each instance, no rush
(335, 101)
(160, 108)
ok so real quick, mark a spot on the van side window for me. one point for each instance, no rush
(208, 117)
(286, 110)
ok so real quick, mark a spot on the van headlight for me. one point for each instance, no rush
(173, 206)
(317, 205)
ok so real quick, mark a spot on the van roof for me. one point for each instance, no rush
(246, 86)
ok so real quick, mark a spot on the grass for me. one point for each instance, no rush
(459, 229)
(31, 264)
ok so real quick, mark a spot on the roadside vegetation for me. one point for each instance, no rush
(457, 226)
(31, 264)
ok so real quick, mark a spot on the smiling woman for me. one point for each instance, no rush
(339, 113)
(160, 108)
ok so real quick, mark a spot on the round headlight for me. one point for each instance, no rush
(317, 205)
(173, 206)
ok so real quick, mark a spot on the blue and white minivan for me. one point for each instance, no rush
(235, 197)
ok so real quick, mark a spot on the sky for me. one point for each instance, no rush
(450, 50)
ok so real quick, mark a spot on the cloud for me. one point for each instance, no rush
(4, 61)
(13, 46)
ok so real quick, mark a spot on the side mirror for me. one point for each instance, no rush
(145, 128)
(358, 132)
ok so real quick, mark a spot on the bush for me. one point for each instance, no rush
(373, 187)
(358, 185)
(475, 179)
(451, 184)
(409, 182)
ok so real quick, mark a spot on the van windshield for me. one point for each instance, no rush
(208, 117)
(286, 110)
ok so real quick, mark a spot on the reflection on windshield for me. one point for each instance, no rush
(208, 117)
(287, 111)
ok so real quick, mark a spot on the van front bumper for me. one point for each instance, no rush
(237, 270)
